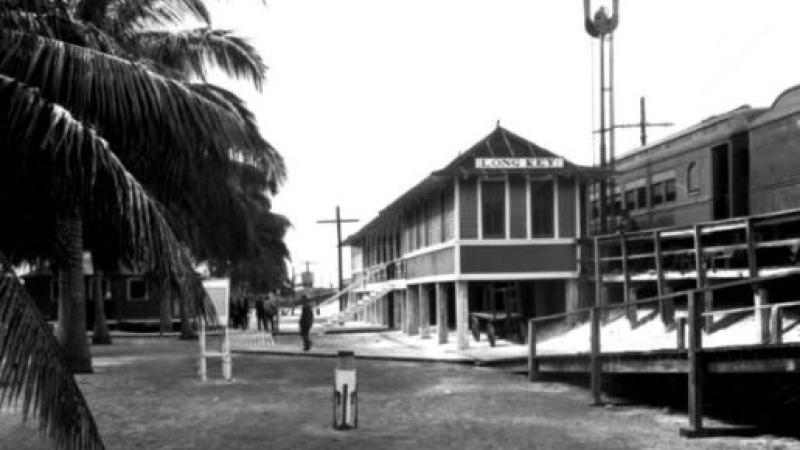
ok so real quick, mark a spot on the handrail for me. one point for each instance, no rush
(720, 312)
(560, 315)
(727, 221)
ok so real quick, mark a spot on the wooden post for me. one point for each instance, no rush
(680, 332)
(441, 312)
(666, 306)
(701, 276)
(752, 260)
(202, 362)
(776, 325)
(424, 312)
(227, 360)
(462, 315)
(533, 365)
(696, 368)
(595, 362)
(630, 310)
(760, 299)
(598, 277)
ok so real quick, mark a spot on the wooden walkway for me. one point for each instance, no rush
(696, 317)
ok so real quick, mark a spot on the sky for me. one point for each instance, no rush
(364, 98)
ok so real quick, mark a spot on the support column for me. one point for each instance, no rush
(462, 314)
(441, 312)
(402, 317)
(412, 303)
(424, 312)
(572, 299)
(397, 301)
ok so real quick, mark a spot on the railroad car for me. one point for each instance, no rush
(745, 161)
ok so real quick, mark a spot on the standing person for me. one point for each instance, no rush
(306, 321)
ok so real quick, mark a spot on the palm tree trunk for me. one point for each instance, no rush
(72, 322)
(186, 325)
(101, 334)
(165, 319)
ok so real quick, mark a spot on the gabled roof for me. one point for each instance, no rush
(500, 143)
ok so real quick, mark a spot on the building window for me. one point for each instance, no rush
(493, 209)
(692, 179)
(669, 190)
(658, 193)
(641, 196)
(542, 209)
(617, 205)
(137, 289)
(630, 200)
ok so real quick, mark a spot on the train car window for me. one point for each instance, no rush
(692, 179)
(542, 209)
(641, 196)
(658, 193)
(669, 190)
(493, 207)
(595, 209)
(630, 200)
(617, 203)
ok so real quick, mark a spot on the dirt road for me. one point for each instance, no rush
(145, 395)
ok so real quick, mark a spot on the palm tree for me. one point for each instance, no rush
(48, 158)
(84, 124)
(169, 132)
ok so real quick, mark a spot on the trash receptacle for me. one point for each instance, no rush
(345, 401)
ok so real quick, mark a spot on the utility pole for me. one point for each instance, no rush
(338, 221)
(602, 26)
(643, 124)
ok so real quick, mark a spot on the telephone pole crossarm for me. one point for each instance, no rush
(339, 221)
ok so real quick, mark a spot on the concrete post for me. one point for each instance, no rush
(462, 314)
(413, 309)
(572, 299)
(424, 312)
(397, 301)
(402, 313)
(441, 312)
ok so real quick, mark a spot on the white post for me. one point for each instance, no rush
(202, 362)
(462, 315)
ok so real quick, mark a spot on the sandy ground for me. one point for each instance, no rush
(145, 395)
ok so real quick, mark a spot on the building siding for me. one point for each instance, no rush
(517, 258)
(440, 262)
(518, 208)
(566, 207)
(468, 205)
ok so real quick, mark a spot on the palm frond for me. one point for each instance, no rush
(33, 371)
(119, 97)
(131, 14)
(59, 25)
(261, 155)
(190, 52)
(43, 142)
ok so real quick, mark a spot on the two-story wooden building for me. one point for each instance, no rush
(495, 230)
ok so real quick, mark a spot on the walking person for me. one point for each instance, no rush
(306, 321)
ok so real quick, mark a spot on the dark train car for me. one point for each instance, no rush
(698, 174)
(775, 156)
